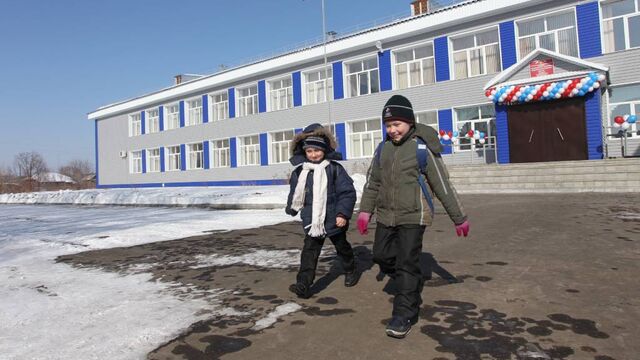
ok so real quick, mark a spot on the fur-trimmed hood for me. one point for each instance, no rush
(297, 153)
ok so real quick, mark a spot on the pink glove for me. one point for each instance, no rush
(460, 229)
(363, 222)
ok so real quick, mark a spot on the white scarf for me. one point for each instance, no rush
(319, 208)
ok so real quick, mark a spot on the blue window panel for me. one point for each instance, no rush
(338, 91)
(445, 122)
(183, 157)
(181, 113)
(161, 117)
(264, 154)
(232, 103)
(589, 30)
(297, 131)
(441, 49)
(502, 134)
(297, 88)
(262, 96)
(142, 122)
(205, 152)
(593, 116)
(200, 183)
(384, 63)
(161, 158)
(341, 136)
(508, 44)
(205, 108)
(233, 156)
(96, 154)
(144, 161)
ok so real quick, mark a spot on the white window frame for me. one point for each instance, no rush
(169, 156)
(473, 144)
(244, 151)
(192, 112)
(437, 124)
(242, 102)
(633, 130)
(555, 37)
(171, 120)
(135, 124)
(220, 156)
(153, 122)
(481, 48)
(219, 106)
(279, 95)
(394, 71)
(135, 162)
(195, 157)
(625, 19)
(327, 82)
(358, 74)
(375, 136)
(280, 147)
(153, 161)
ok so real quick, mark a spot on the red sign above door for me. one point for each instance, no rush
(541, 67)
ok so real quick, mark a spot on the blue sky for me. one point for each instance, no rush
(61, 59)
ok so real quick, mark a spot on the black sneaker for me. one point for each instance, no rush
(300, 289)
(351, 278)
(398, 327)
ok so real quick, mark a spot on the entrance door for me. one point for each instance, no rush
(547, 131)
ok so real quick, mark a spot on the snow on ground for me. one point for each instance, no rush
(52, 310)
(275, 195)
(273, 316)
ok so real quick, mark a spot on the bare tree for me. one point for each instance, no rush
(30, 166)
(77, 170)
(6, 177)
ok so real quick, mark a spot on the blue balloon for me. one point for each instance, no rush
(632, 119)
(455, 133)
(581, 92)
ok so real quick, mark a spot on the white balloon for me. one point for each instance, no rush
(625, 117)
(546, 93)
(596, 85)
(476, 136)
(575, 91)
(616, 125)
(625, 125)
(558, 96)
(591, 89)
(446, 137)
(601, 77)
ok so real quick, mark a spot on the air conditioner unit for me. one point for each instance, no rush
(123, 154)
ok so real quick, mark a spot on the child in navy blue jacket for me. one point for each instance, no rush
(323, 193)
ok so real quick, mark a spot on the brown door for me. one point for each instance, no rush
(547, 131)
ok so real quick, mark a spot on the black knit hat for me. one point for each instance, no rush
(398, 107)
(316, 142)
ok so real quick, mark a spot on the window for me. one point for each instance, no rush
(280, 94)
(415, 67)
(280, 146)
(429, 118)
(364, 136)
(625, 100)
(248, 101)
(135, 125)
(362, 77)
(620, 24)
(153, 160)
(318, 86)
(195, 159)
(219, 106)
(135, 166)
(250, 150)
(476, 54)
(173, 158)
(172, 116)
(555, 32)
(194, 111)
(153, 121)
(220, 153)
(476, 118)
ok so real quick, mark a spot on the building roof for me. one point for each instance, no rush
(446, 17)
(52, 177)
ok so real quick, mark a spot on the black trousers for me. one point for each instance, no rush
(311, 253)
(397, 249)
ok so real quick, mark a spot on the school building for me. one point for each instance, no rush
(515, 80)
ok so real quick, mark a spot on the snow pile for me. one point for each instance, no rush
(273, 316)
(260, 196)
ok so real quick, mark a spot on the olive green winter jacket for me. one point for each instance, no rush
(392, 189)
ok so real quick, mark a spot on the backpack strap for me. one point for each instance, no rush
(421, 156)
(378, 152)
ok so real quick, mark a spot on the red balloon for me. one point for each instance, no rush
(441, 132)
(470, 133)
(618, 119)
(450, 133)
